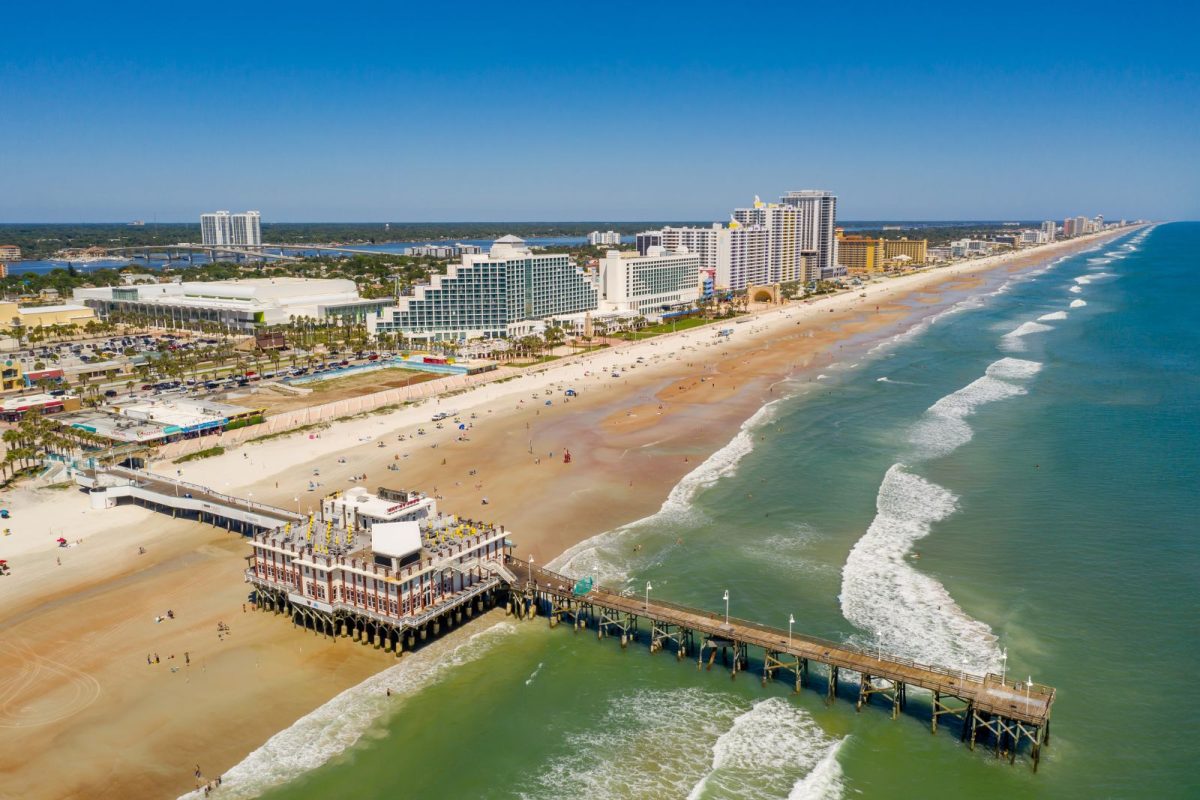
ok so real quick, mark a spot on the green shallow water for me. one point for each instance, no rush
(1054, 510)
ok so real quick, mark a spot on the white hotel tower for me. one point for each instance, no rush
(222, 227)
(506, 293)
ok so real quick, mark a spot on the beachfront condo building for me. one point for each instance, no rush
(603, 238)
(649, 285)
(860, 254)
(1049, 230)
(10, 252)
(647, 239)
(818, 219)
(503, 294)
(737, 255)
(788, 259)
(223, 228)
(912, 252)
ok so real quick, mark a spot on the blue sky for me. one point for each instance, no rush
(613, 111)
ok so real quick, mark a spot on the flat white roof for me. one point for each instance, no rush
(51, 309)
(396, 539)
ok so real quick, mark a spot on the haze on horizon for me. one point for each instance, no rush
(499, 112)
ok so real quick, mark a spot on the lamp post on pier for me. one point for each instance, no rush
(648, 588)
(726, 608)
(791, 622)
(531, 567)
(1003, 666)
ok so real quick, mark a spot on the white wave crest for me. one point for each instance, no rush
(1013, 369)
(1075, 290)
(910, 614)
(825, 780)
(767, 751)
(648, 743)
(1078, 303)
(1055, 315)
(1012, 339)
(944, 428)
(602, 555)
(337, 725)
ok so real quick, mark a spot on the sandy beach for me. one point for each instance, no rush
(83, 713)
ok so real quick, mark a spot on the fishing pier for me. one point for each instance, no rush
(1007, 714)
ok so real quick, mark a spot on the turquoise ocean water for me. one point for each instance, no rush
(1035, 444)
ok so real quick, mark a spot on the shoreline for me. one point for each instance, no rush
(632, 438)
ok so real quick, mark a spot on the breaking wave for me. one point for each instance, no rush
(767, 752)
(1056, 315)
(907, 612)
(337, 725)
(1078, 303)
(694, 743)
(604, 557)
(1012, 339)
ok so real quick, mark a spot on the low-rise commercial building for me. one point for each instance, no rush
(13, 316)
(10, 252)
(239, 305)
(14, 408)
(11, 378)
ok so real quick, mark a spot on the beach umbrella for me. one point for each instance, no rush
(61, 540)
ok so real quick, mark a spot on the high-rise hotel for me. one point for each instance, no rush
(792, 240)
(505, 293)
(221, 227)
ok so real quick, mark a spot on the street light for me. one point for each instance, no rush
(1003, 665)
(531, 567)
(791, 622)
(726, 608)
(648, 588)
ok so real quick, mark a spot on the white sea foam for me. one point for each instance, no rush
(1055, 315)
(604, 557)
(1084, 280)
(1013, 369)
(944, 428)
(822, 377)
(335, 726)
(766, 752)
(908, 613)
(1075, 290)
(648, 743)
(1099, 261)
(825, 780)
(1012, 339)
(533, 675)
(1078, 303)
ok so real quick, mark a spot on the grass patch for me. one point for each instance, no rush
(58, 487)
(539, 360)
(257, 419)
(199, 454)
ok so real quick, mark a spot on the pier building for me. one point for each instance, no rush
(358, 508)
(392, 584)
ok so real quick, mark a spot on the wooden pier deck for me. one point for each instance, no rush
(1009, 712)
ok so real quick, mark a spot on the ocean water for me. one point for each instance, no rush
(1015, 474)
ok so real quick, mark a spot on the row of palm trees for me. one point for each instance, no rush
(34, 437)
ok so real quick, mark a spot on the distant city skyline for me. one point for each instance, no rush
(535, 113)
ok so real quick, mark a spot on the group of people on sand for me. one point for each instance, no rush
(208, 785)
